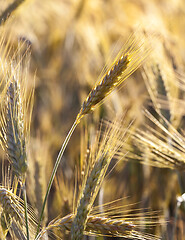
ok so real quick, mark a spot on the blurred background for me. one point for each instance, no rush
(71, 41)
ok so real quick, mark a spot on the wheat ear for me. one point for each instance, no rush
(16, 148)
(100, 159)
(12, 214)
(16, 109)
(127, 61)
(16, 104)
(104, 226)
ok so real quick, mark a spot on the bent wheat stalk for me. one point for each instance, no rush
(131, 56)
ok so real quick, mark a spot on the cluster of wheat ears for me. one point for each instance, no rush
(157, 143)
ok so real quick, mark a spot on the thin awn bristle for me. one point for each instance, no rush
(164, 146)
(131, 57)
(104, 226)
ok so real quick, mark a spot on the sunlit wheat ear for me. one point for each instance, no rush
(99, 160)
(127, 61)
(158, 145)
(16, 109)
(115, 221)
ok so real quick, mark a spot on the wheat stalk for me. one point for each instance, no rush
(127, 61)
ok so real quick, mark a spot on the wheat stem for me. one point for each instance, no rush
(25, 210)
(55, 170)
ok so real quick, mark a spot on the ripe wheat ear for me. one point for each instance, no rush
(16, 109)
(131, 56)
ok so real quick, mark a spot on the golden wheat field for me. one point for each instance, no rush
(92, 119)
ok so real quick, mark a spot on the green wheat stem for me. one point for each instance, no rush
(55, 170)
(25, 210)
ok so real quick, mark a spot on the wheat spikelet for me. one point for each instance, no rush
(16, 109)
(128, 60)
(99, 161)
(10, 205)
(105, 226)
